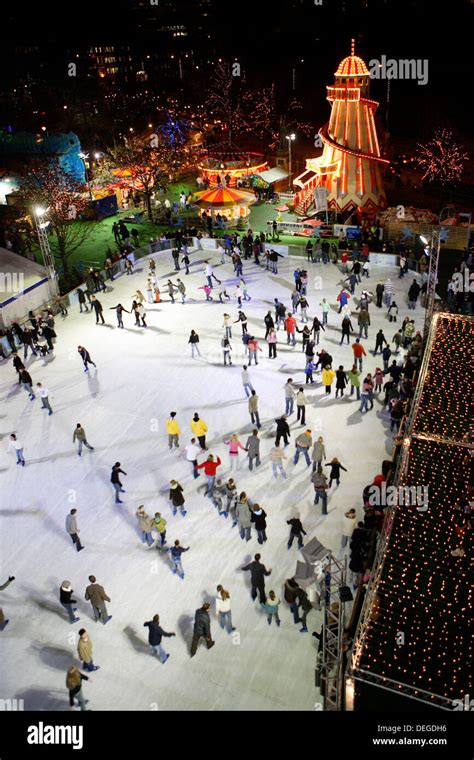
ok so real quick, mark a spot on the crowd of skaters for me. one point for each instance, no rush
(395, 380)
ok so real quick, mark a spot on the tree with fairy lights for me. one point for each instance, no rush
(441, 159)
(174, 132)
(151, 164)
(225, 99)
(273, 125)
(48, 186)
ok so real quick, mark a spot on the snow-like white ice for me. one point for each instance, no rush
(142, 375)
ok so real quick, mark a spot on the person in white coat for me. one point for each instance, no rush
(223, 609)
(191, 451)
(349, 523)
(15, 444)
(44, 395)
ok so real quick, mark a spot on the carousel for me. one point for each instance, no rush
(225, 205)
(229, 167)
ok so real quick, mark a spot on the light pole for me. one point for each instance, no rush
(84, 157)
(290, 139)
(435, 248)
(48, 258)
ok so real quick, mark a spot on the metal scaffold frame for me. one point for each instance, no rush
(332, 676)
(42, 232)
(432, 281)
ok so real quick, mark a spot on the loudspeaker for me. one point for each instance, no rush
(345, 594)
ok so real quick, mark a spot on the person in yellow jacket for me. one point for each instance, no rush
(199, 428)
(159, 524)
(328, 376)
(172, 428)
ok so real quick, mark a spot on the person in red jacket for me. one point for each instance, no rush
(344, 257)
(290, 327)
(210, 468)
(359, 352)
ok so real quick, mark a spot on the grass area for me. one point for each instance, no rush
(93, 251)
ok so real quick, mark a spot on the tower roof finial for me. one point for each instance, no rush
(352, 46)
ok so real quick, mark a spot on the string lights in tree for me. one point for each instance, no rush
(441, 158)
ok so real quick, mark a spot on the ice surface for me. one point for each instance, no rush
(141, 376)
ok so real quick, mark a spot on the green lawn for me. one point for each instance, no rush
(93, 251)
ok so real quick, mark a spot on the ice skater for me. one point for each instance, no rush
(270, 606)
(66, 600)
(98, 308)
(155, 636)
(145, 525)
(227, 351)
(296, 531)
(172, 428)
(243, 321)
(84, 651)
(258, 571)
(73, 530)
(194, 341)
(243, 514)
(18, 447)
(176, 496)
(191, 451)
(253, 409)
(79, 435)
(199, 428)
(202, 628)
(335, 473)
(175, 555)
(95, 594)
(74, 679)
(234, 445)
(245, 375)
(44, 395)
(210, 468)
(119, 309)
(258, 518)
(223, 610)
(253, 449)
(115, 480)
(86, 357)
(159, 524)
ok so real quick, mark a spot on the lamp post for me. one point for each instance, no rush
(290, 139)
(435, 248)
(48, 258)
(84, 157)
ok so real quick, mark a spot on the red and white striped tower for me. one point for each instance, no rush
(350, 166)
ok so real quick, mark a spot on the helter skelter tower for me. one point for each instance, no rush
(350, 166)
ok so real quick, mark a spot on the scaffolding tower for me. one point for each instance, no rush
(432, 281)
(332, 665)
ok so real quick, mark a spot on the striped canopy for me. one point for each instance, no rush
(223, 197)
(122, 172)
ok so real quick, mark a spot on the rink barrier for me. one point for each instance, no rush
(199, 244)
(70, 298)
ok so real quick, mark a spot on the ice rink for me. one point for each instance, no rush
(142, 375)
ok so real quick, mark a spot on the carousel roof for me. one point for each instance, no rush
(232, 156)
(222, 197)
